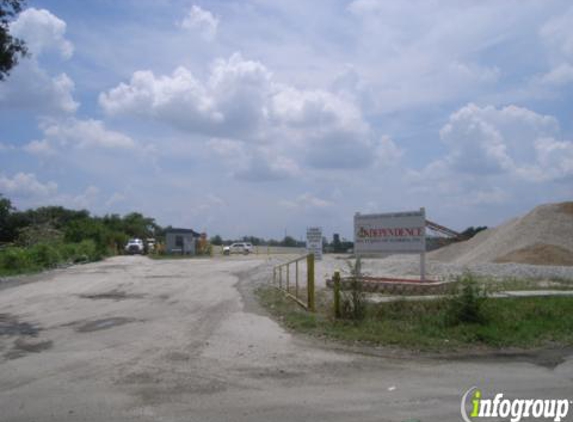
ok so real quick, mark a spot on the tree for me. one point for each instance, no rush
(136, 225)
(10, 47)
(472, 231)
(6, 230)
(216, 240)
(289, 242)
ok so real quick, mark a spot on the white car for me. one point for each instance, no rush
(239, 247)
(135, 246)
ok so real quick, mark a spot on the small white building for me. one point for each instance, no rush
(181, 241)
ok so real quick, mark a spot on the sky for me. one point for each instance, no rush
(267, 117)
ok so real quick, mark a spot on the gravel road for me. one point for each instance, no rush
(135, 339)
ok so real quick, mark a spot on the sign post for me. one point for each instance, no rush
(399, 232)
(314, 242)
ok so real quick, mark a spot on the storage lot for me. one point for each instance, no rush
(131, 338)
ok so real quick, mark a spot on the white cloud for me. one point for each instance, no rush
(26, 185)
(554, 161)
(84, 200)
(387, 152)
(240, 99)
(230, 102)
(490, 145)
(253, 163)
(558, 33)
(30, 86)
(40, 148)
(306, 201)
(202, 20)
(485, 140)
(85, 134)
(560, 75)
(115, 198)
(495, 195)
(265, 165)
(42, 31)
(304, 109)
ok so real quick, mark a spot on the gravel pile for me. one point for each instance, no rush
(408, 266)
(542, 237)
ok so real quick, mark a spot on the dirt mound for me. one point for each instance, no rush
(539, 254)
(542, 237)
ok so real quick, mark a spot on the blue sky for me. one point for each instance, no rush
(260, 117)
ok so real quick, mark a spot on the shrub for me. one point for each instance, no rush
(15, 259)
(465, 303)
(353, 300)
(87, 251)
(44, 255)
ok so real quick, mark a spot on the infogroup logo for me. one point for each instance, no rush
(514, 409)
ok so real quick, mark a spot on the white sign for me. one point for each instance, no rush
(314, 242)
(399, 232)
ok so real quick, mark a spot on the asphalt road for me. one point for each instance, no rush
(136, 339)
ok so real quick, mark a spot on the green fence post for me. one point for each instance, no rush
(310, 281)
(336, 290)
(280, 277)
(288, 278)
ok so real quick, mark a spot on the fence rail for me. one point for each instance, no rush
(302, 292)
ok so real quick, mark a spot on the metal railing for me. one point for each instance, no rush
(302, 291)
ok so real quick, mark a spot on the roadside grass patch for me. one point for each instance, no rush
(517, 284)
(26, 260)
(427, 326)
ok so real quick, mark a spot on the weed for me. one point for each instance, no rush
(465, 303)
(353, 300)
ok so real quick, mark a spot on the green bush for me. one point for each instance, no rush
(87, 250)
(44, 255)
(353, 301)
(465, 303)
(15, 259)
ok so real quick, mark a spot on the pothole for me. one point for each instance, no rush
(10, 325)
(112, 295)
(103, 324)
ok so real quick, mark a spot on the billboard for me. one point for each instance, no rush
(398, 232)
(314, 241)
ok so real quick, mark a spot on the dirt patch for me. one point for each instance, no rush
(103, 324)
(566, 207)
(10, 325)
(539, 254)
(112, 295)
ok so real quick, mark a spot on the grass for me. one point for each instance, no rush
(42, 256)
(423, 325)
(528, 284)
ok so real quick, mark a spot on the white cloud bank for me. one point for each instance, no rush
(26, 185)
(72, 133)
(271, 123)
(495, 146)
(43, 32)
(30, 86)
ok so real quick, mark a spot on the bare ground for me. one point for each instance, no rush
(136, 339)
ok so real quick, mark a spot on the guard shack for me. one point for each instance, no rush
(181, 241)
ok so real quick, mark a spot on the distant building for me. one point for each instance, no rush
(181, 241)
